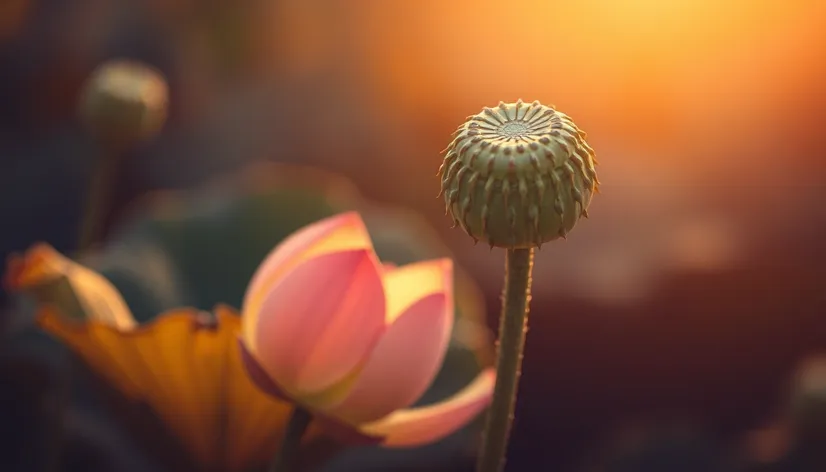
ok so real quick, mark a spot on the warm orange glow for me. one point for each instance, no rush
(685, 81)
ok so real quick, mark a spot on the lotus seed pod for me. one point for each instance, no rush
(124, 101)
(518, 175)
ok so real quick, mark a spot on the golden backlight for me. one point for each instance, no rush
(663, 77)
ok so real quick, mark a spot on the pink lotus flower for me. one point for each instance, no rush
(326, 326)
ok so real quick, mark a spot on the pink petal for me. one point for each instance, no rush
(342, 232)
(406, 285)
(337, 429)
(344, 433)
(403, 364)
(320, 321)
(420, 426)
(258, 375)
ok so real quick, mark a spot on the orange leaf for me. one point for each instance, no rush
(188, 370)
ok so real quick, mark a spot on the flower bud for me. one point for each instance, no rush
(75, 290)
(518, 175)
(124, 102)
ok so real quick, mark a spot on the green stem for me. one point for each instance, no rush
(285, 458)
(512, 328)
(97, 198)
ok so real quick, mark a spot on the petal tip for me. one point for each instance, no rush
(349, 218)
(15, 265)
(487, 378)
(346, 261)
(422, 425)
(349, 435)
(352, 216)
(323, 236)
(31, 268)
(446, 264)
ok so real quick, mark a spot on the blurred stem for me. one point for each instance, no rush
(97, 204)
(287, 453)
(512, 328)
(94, 213)
(98, 193)
(58, 406)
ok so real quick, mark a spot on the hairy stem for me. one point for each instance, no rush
(512, 328)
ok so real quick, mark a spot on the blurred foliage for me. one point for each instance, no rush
(667, 446)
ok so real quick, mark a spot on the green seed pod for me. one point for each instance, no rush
(518, 175)
(124, 102)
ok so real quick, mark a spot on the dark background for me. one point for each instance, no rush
(678, 310)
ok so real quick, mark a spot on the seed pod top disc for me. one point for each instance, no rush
(518, 175)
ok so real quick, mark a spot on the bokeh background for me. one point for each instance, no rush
(664, 332)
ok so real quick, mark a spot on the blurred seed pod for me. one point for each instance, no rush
(518, 175)
(124, 102)
(808, 403)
